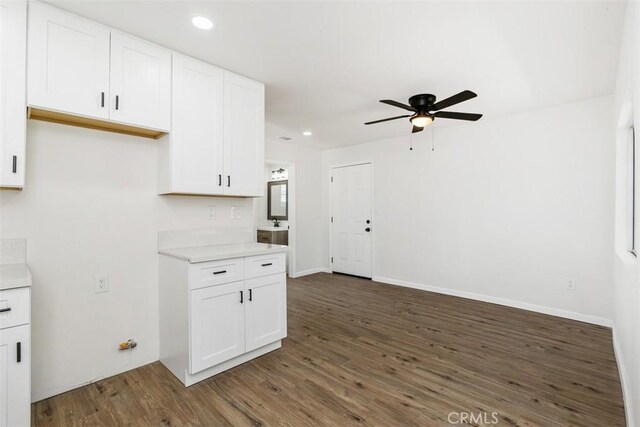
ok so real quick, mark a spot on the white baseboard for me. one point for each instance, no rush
(501, 301)
(624, 379)
(308, 272)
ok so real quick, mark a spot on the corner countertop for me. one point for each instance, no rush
(213, 253)
(14, 276)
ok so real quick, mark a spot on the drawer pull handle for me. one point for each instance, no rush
(250, 295)
(19, 352)
(4, 310)
(267, 264)
(220, 272)
(241, 297)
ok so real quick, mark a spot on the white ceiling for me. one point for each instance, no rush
(326, 64)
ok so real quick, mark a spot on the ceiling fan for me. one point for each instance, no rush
(425, 109)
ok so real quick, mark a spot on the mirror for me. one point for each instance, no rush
(277, 200)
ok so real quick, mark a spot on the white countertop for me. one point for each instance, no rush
(14, 276)
(272, 228)
(217, 252)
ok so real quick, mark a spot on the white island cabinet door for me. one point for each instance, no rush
(13, 50)
(68, 63)
(217, 325)
(140, 83)
(266, 310)
(15, 397)
(196, 129)
(243, 136)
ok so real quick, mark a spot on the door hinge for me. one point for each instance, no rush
(331, 260)
(331, 179)
(331, 219)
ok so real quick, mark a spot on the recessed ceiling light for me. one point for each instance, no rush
(307, 133)
(202, 22)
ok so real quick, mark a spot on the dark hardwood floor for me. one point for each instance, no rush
(360, 352)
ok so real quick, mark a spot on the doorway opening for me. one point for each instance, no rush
(275, 213)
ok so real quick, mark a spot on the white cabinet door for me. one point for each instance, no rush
(197, 127)
(13, 51)
(68, 63)
(243, 136)
(15, 397)
(140, 83)
(266, 310)
(217, 325)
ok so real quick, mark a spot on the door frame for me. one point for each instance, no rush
(292, 271)
(373, 219)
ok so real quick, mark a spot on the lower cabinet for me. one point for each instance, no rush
(216, 315)
(15, 370)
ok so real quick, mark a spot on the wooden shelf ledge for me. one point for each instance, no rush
(91, 123)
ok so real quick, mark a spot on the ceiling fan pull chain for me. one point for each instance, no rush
(411, 142)
(433, 138)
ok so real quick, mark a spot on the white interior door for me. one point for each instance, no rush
(266, 312)
(217, 325)
(351, 226)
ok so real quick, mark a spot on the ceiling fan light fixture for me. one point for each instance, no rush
(421, 120)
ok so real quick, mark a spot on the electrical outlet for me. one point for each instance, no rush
(212, 212)
(101, 283)
(235, 212)
(571, 284)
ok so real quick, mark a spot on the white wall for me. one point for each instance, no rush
(505, 209)
(310, 229)
(626, 268)
(90, 206)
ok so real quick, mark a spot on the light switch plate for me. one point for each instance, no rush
(212, 212)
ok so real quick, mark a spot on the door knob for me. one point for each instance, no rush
(368, 221)
(367, 229)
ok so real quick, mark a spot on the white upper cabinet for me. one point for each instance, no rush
(78, 68)
(195, 146)
(243, 136)
(140, 83)
(13, 50)
(216, 146)
(68, 63)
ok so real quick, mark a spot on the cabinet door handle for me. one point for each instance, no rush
(219, 272)
(267, 264)
(228, 180)
(117, 102)
(19, 352)
(250, 295)
(4, 310)
(102, 99)
(219, 180)
(15, 164)
(241, 297)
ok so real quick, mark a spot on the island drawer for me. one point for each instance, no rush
(263, 265)
(216, 272)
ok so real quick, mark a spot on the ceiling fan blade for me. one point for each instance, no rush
(386, 120)
(397, 104)
(416, 129)
(453, 100)
(459, 116)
